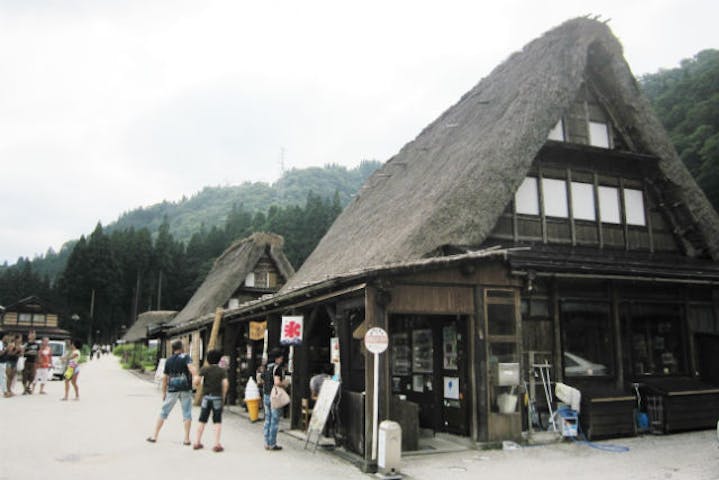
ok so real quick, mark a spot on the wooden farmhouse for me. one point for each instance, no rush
(147, 321)
(544, 219)
(249, 269)
(32, 313)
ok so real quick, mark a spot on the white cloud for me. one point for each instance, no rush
(106, 106)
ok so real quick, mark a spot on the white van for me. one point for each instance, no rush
(58, 351)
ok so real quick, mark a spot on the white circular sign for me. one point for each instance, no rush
(376, 340)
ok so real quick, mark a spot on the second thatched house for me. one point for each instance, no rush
(249, 269)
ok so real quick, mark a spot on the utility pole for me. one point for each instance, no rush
(92, 313)
(159, 290)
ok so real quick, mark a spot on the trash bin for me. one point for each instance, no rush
(389, 448)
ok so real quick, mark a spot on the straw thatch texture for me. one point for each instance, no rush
(138, 330)
(449, 185)
(229, 271)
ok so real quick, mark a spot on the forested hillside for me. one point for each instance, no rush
(686, 100)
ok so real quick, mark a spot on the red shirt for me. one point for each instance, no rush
(44, 357)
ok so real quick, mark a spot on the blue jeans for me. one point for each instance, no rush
(185, 398)
(272, 422)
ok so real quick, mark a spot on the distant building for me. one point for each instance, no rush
(32, 313)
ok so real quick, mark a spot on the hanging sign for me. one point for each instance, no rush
(376, 342)
(257, 330)
(291, 331)
(334, 350)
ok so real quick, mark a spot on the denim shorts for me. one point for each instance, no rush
(211, 403)
(185, 398)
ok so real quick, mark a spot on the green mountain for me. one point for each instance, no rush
(211, 206)
(686, 100)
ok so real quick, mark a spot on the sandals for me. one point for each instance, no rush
(151, 440)
(217, 448)
(198, 446)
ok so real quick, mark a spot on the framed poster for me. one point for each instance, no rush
(400, 354)
(422, 351)
(449, 347)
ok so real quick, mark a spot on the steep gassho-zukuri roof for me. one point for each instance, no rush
(450, 184)
(138, 331)
(229, 271)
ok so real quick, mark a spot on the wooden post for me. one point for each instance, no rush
(210, 346)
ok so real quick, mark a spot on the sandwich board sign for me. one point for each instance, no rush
(322, 409)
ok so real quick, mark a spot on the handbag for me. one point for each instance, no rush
(279, 398)
(20, 366)
(69, 372)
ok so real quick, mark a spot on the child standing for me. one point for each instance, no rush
(214, 389)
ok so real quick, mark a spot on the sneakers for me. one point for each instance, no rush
(274, 447)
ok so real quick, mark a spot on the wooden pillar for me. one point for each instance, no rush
(617, 327)
(375, 316)
(230, 348)
(480, 402)
(301, 369)
(556, 320)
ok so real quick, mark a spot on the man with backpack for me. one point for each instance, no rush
(176, 385)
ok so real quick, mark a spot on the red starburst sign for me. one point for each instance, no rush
(291, 332)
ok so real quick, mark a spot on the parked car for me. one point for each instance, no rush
(574, 365)
(58, 351)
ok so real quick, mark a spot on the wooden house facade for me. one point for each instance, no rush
(32, 313)
(544, 219)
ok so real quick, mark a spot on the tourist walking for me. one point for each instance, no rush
(4, 344)
(30, 350)
(14, 352)
(214, 391)
(274, 376)
(72, 371)
(176, 385)
(43, 364)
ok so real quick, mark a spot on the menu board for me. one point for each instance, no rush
(422, 351)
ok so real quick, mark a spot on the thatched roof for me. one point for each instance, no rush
(138, 330)
(229, 271)
(450, 184)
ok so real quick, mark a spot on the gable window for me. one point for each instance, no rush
(250, 279)
(634, 207)
(526, 200)
(557, 133)
(555, 197)
(609, 204)
(583, 207)
(598, 134)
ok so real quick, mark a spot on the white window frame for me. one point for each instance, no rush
(583, 205)
(557, 133)
(554, 193)
(609, 209)
(526, 198)
(634, 207)
(598, 134)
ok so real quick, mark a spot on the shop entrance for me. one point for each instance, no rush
(428, 355)
(708, 360)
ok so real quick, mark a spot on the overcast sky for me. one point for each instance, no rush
(109, 105)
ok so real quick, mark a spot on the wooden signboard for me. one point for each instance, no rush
(257, 330)
(322, 409)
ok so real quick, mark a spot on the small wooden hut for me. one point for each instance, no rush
(32, 313)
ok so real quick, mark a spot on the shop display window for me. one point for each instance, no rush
(587, 338)
(656, 342)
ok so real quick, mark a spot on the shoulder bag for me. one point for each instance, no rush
(279, 398)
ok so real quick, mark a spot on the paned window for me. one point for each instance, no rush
(526, 199)
(598, 134)
(634, 207)
(555, 197)
(583, 201)
(557, 133)
(609, 205)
